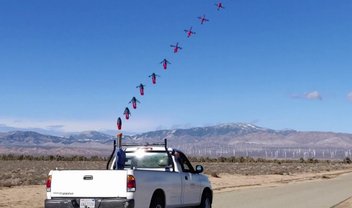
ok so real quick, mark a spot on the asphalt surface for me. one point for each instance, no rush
(313, 194)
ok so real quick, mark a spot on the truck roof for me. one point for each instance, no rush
(147, 148)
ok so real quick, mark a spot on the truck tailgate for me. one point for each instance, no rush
(89, 183)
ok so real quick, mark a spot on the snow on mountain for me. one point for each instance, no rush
(87, 136)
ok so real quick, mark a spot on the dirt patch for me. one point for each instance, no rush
(23, 197)
(344, 204)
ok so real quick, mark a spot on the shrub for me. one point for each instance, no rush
(347, 160)
(215, 175)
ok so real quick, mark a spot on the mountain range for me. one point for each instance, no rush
(233, 139)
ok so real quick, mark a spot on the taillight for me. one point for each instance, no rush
(48, 184)
(131, 183)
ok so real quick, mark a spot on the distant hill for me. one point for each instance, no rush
(234, 139)
(29, 142)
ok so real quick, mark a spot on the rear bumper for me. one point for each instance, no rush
(101, 203)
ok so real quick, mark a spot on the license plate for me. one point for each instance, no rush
(87, 203)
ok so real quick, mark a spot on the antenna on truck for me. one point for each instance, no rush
(112, 154)
(165, 142)
(169, 155)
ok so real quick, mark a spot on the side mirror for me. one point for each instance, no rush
(199, 169)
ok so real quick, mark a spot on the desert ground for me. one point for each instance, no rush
(22, 182)
(316, 193)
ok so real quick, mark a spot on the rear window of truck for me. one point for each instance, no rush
(145, 159)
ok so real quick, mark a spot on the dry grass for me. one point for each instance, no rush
(30, 172)
(273, 168)
(27, 172)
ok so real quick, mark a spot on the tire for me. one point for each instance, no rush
(206, 200)
(157, 202)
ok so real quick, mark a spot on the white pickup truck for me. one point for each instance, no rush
(153, 176)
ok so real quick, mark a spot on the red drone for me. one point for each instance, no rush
(176, 47)
(153, 76)
(127, 113)
(165, 63)
(134, 102)
(219, 6)
(141, 89)
(189, 32)
(203, 19)
(119, 123)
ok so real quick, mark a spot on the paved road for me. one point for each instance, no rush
(313, 194)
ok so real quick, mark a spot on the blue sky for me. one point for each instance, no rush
(74, 65)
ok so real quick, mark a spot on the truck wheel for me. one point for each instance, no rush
(157, 202)
(206, 200)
